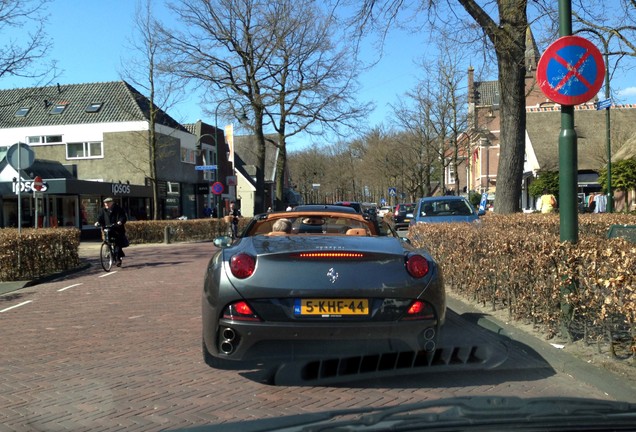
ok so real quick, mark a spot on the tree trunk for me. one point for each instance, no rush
(513, 126)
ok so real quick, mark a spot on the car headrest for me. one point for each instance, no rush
(357, 231)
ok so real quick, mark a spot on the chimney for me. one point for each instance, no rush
(471, 84)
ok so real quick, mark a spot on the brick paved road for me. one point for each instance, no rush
(122, 351)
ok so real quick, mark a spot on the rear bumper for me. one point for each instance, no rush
(250, 341)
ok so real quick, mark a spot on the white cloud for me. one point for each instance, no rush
(627, 93)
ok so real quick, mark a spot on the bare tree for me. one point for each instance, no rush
(227, 46)
(416, 115)
(504, 27)
(163, 91)
(24, 58)
(312, 85)
(275, 57)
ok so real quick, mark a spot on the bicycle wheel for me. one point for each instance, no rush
(107, 256)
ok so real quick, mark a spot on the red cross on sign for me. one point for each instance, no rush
(571, 71)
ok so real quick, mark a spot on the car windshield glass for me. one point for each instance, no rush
(445, 208)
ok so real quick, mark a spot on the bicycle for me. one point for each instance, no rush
(108, 251)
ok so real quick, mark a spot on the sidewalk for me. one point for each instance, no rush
(619, 383)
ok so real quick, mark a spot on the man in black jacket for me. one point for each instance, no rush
(113, 214)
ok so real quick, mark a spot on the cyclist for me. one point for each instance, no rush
(113, 214)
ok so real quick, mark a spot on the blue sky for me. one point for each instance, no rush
(90, 41)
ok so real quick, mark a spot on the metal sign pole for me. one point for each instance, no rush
(19, 186)
(568, 152)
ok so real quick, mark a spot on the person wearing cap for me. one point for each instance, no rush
(113, 214)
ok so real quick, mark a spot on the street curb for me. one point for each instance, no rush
(562, 361)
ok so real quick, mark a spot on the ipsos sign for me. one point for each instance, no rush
(27, 186)
(120, 189)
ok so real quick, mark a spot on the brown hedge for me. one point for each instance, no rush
(586, 290)
(34, 253)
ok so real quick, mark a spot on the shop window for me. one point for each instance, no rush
(84, 150)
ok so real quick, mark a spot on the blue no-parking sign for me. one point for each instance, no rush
(571, 71)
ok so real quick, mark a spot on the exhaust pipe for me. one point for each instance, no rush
(429, 346)
(428, 339)
(229, 338)
(429, 333)
(228, 334)
(227, 347)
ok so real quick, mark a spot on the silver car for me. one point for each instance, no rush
(335, 284)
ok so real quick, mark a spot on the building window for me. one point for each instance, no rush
(450, 179)
(173, 188)
(94, 107)
(22, 112)
(84, 150)
(58, 108)
(45, 139)
(188, 155)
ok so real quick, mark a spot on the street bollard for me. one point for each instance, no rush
(166, 235)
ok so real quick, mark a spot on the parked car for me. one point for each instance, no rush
(364, 209)
(339, 285)
(384, 210)
(444, 209)
(354, 205)
(402, 216)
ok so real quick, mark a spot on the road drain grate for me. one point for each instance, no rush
(386, 362)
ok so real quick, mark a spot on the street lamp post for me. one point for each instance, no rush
(241, 119)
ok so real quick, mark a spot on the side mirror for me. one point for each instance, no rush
(223, 241)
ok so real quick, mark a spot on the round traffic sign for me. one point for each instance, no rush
(571, 71)
(37, 183)
(20, 156)
(217, 188)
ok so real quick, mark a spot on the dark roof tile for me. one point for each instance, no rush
(120, 102)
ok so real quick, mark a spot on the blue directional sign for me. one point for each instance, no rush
(571, 71)
(205, 167)
(602, 104)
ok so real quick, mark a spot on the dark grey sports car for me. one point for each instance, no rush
(335, 284)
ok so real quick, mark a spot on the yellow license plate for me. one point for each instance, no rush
(331, 307)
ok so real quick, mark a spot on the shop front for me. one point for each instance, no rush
(67, 202)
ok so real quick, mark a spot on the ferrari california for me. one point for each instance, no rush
(317, 283)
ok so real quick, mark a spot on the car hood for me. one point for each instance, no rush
(281, 271)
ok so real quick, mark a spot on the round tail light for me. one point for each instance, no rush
(417, 265)
(242, 265)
